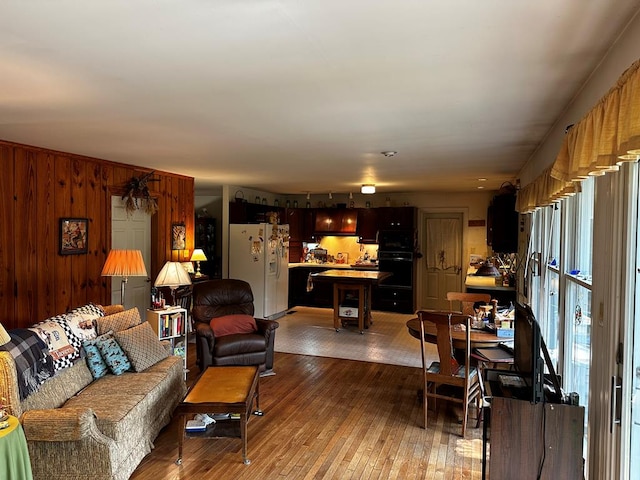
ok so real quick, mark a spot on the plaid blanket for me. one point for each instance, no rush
(34, 365)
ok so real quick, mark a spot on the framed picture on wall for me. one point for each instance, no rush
(178, 236)
(74, 235)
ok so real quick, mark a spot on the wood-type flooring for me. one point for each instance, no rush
(327, 418)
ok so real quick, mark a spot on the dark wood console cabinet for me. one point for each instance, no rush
(535, 441)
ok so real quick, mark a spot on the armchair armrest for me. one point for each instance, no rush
(266, 325)
(62, 425)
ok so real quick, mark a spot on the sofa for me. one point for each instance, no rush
(80, 427)
(244, 340)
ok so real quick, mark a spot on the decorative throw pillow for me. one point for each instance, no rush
(82, 320)
(118, 321)
(64, 345)
(112, 354)
(142, 346)
(95, 362)
(230, 324)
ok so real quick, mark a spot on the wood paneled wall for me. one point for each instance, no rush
(40, 186)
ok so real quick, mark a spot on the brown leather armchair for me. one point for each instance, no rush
(217, 298)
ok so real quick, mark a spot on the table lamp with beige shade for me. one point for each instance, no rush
(125, 264)
(4, 336)
(172, 275)
(198, 256)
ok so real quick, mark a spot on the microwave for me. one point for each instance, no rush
(396, 240)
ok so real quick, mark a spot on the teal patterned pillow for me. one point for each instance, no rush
(94, 359)
(112, 354)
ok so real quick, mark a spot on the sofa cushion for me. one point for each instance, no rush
(141, 345)
(112, 354)
(95, 362)
(232, 324)
(118, 321)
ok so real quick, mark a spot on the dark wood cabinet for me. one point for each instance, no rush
(244, 212)
(301, 226)
(336, 221)
(396, 218)
(367, 228)
(320, 296)
(393, 299)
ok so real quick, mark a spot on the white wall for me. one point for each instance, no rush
(624, 52)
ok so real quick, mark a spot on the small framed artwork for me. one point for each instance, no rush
(178, 236)
(74, 234)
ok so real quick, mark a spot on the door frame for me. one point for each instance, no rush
(422, 215)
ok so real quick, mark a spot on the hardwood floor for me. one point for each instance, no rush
(328, 418)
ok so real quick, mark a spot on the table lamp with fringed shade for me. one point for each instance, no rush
(172, 275)
(4, 336)
(125, 264)
(198, 256)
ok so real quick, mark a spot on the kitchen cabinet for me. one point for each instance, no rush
(336, 221)
(393, 299)
(244, 212)
(301, 227)
(367, 229)
(320, 296)
(396, 218)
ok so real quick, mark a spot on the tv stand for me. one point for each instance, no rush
(531, 441)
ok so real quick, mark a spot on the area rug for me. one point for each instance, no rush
(309, 331)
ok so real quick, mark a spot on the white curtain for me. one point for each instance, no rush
(444, 244)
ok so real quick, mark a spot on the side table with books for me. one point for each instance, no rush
(170, 324)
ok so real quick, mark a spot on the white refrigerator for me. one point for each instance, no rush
(259, 254)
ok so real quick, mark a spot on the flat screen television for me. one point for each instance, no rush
(527, 342)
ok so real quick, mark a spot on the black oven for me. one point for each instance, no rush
(396, 241)
(400, 264)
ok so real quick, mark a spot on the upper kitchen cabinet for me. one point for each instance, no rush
(244, 212)
(367, 229)
(301, 224)
(336, 221)
(396, 218)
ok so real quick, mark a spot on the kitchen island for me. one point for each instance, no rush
(349, 280)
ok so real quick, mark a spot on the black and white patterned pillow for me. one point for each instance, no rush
(64, 345)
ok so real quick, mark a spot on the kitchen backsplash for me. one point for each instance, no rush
(349, 245)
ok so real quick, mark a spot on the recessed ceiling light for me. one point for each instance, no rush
(480, 187)
(482, 179)
(368, 188)
(389, 153)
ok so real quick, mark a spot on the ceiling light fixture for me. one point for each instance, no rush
(330, 196)
(389, 153)
(368, 188)
(350, 195)
(308, 195)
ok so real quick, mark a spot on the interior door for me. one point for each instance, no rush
(131, 232)
(442, 242)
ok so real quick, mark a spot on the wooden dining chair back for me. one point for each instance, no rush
(467, 301)
(449, 379)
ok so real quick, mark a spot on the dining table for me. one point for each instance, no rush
(478, 338)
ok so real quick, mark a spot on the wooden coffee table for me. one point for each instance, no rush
(221, 390)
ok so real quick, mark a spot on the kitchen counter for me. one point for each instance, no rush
(344, 266)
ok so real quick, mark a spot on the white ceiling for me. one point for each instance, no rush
(293, 96)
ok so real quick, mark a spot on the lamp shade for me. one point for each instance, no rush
(172, 275)
(198, 255)
(368, 189)
(4, 336)
(124, 263)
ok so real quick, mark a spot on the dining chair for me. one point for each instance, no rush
(467, 301)
(448, 379)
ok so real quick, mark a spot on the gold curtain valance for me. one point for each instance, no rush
(608, 135)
